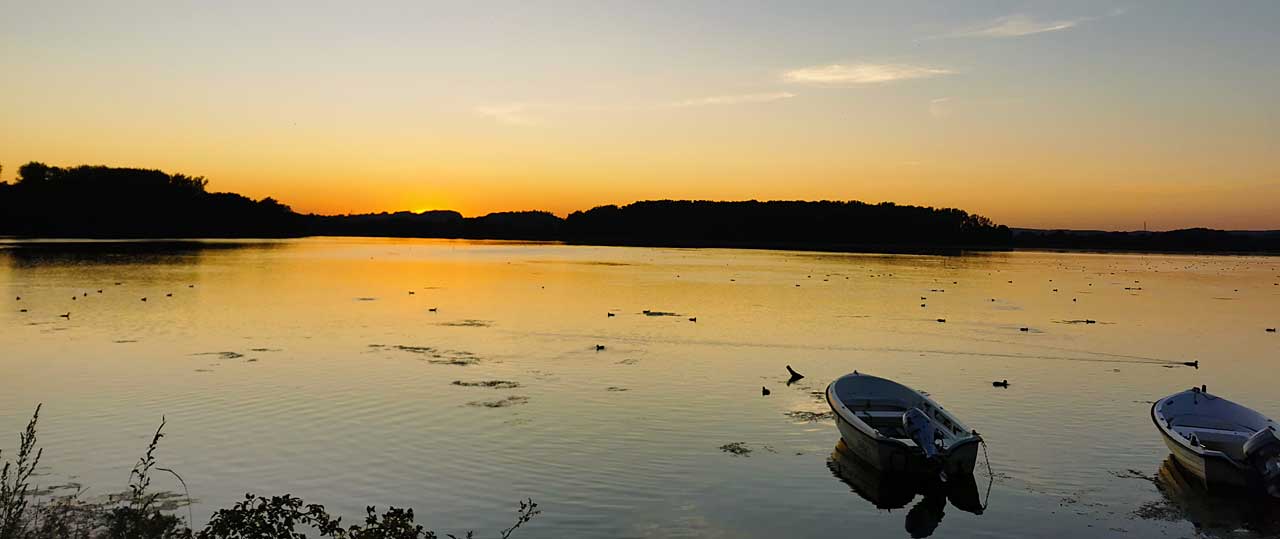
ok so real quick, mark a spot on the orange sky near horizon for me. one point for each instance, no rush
(1088, 115)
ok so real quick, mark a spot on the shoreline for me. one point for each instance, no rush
(847, 248)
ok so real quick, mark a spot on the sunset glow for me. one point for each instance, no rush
(1080, 115)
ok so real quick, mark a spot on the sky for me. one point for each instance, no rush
(1092, 115)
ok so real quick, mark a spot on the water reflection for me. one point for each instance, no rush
(895, 490)
(49, 253)
(1222, 513)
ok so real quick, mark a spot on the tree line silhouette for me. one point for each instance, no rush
(99, 201)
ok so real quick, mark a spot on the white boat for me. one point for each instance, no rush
(898, 429)
(1218, 441)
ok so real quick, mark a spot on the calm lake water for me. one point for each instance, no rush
(317, 367)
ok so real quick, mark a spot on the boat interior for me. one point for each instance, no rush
(881, 403)
(1213, 423)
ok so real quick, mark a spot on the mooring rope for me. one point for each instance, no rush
(991, 475)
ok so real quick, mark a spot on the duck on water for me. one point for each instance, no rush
(896, 428)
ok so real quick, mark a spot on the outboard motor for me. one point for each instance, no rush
(921, 430)
(1262, 453)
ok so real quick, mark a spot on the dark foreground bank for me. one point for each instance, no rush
(140, 512)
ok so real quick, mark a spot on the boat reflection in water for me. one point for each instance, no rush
(894, 490)
(1224, 512)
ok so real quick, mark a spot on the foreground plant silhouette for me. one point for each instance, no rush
(136, 515)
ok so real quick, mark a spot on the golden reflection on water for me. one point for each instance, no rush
(318, 367)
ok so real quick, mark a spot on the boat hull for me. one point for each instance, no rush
(1209, 470)
(891, 455)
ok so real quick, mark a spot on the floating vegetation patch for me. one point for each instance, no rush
(494, 384)
(221, 355)
(124, 341)
(456, 361)
(1133, 474)
(468, 323)
(434, 355)
(742, 449)
(1084, 321)
(629, 361)
(163, 500)
(70, 486)
(366, 299)
(811, 417)
(1160, 510)
(584, 262)
(615, 388)
(647, 312)
(265, 349)
(501, 403)
(204, 370)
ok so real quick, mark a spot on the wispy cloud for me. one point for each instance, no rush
(1017, 26)
(511, 114)
(732, 99)
(940, 107)
(860, 74)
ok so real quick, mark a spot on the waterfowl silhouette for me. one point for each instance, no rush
(795, 376)
(942, 320)
(433, 309)
(1024, 329)
(144, 299)
(73, 298)
(1271, 330)
(19, 298)
(67, 316)
(599, 347)
(99, 290)
(169, 295)
(1002, 383)
(608, 315)
(1195, 363)
(693, 319)
(22, 310)
(764, 391)
(86, 294)
(410, 292)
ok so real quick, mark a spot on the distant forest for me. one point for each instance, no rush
(106, 202)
